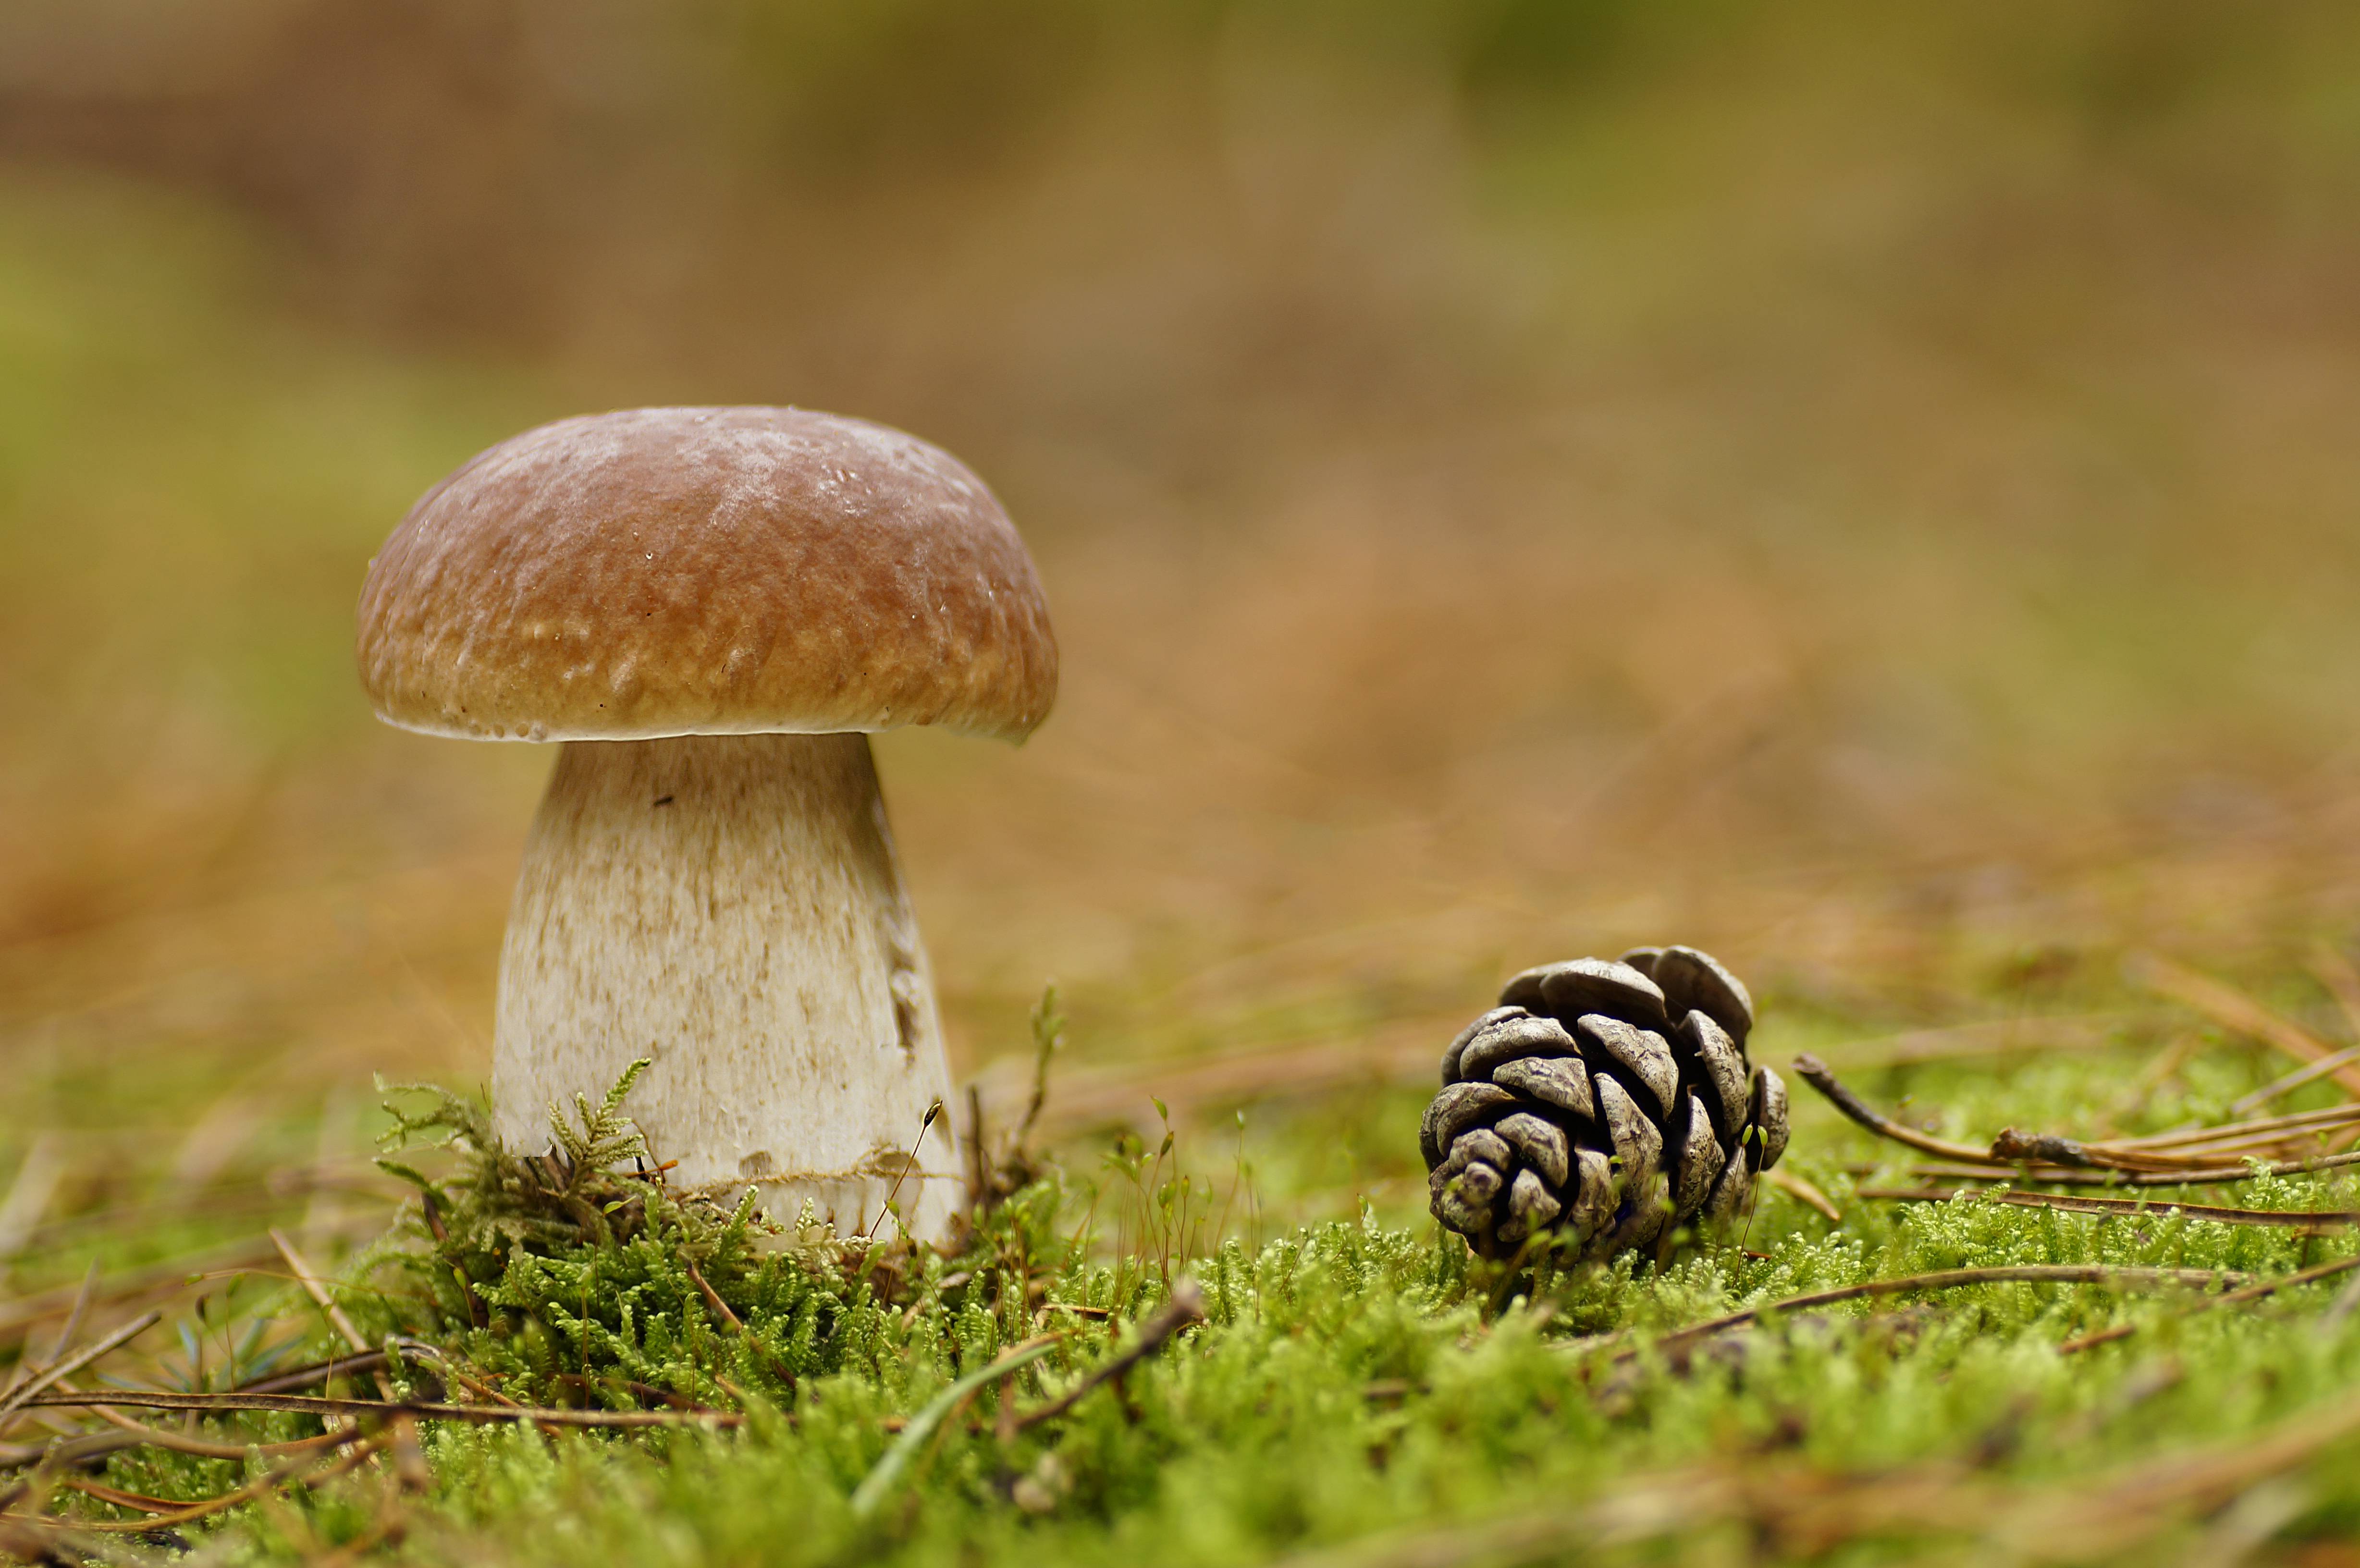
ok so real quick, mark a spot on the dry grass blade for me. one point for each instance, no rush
(302, 1404)
(1647, 1509)
(2234, 1010)
(1804, 1192)
(451, 1371)
(880, 1481)
(2275, 1088)
(30, 1393)
(315, 1287)
(29, 1194)
(2309, 1221)
(27, 1366)
(2264, 1129)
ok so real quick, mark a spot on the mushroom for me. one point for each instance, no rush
(711, 607)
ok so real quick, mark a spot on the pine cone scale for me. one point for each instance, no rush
(1722, 1062)
(1644, 1060)
(1558, 1081)
(1542, 1146)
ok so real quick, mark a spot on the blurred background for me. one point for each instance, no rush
(1871, 491)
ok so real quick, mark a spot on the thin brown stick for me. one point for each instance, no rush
(29, 1368)
(270, 1481)
(2322, 1068)
(139, 1501)
(2282, 1127)
(2040, 1156)
(2059, 1176)
(1815, 1073)
(131, 1434)
(29, 1393)
(1186, 1306)
(303, 1404)
(2234, 1010)
(296, 1378)
(1959, 1278)
(451, 1371)
(2253, 1293)
(712, 1297)
(317, 1290)
(329, 1308)
(2312, 1222)
(2011, 1148)
(2193, 1176)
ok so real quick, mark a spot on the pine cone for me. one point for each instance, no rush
(1579, 1105)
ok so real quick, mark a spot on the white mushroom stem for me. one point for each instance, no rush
(731, 907)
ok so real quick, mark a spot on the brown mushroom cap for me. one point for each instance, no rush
(664, 571)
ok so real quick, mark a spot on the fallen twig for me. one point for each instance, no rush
(1186, 1306)
(302, 1404)
(2177, 1158)
(2316, 1222)
(131, 1434)
(2066, 1176)
(1815, 1073)
(2232, 1155)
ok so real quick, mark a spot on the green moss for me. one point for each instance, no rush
(1348, 1379)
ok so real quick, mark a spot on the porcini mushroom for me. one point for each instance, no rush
(711, 607)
